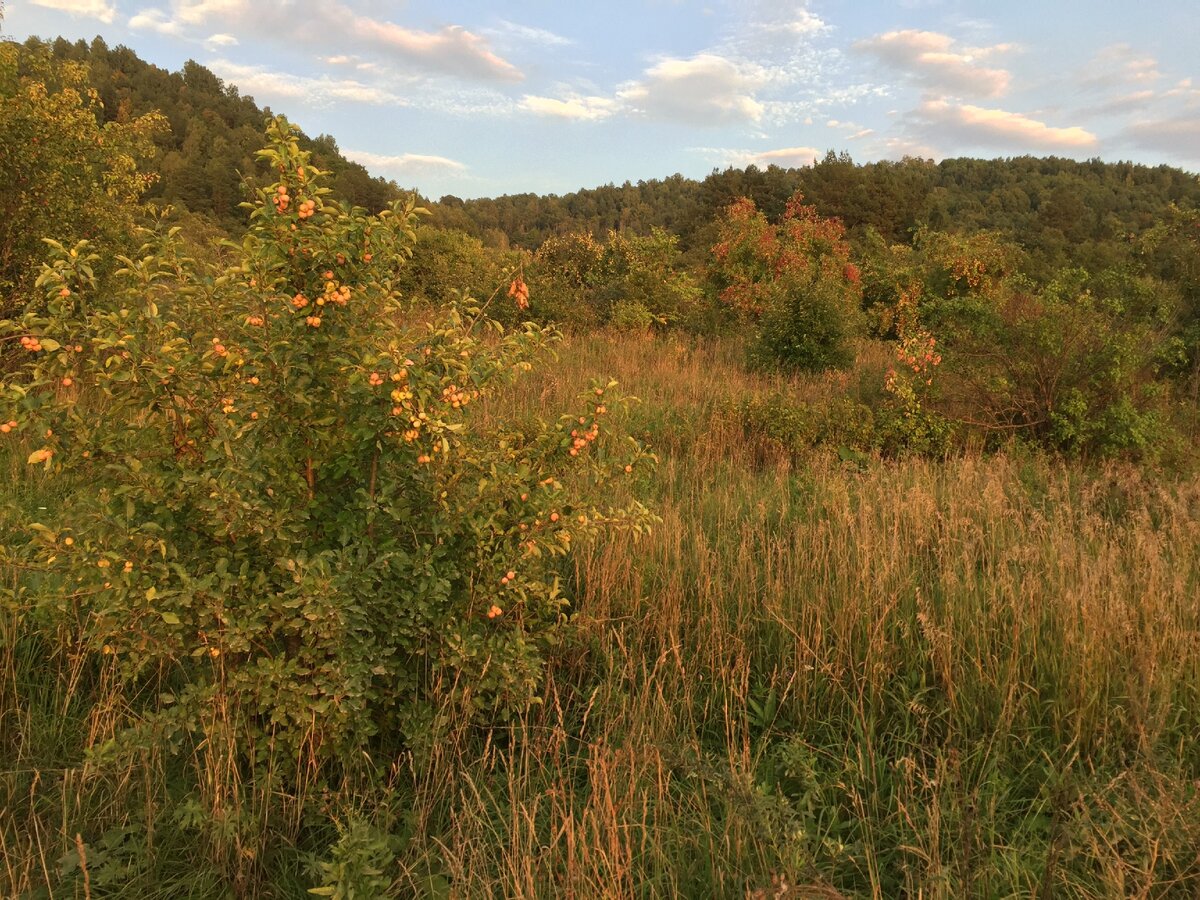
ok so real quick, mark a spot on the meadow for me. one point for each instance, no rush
(803, 533)
(820, 675)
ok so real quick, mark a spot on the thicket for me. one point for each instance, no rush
(793, 281)
(290, 552)
(64, 173)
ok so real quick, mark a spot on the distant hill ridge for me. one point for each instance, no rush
(215, 131)
(1061, 210)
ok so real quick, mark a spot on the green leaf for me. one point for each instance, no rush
(170, 618)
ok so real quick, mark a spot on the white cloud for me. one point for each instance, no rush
(904, 148)
(587, 109)
(785, 19)
(805, 22)
(196, 12)
(1120, 82)
(405, 164)
(512, 33)
(1119, 66)
(704, 90)
(1185, 90)
(783, 43)
(266, 83)
(976, 126)
(215, 41)
(451, 50)
(1121, 104)
(937, 61)
(787, 157)
(853, 131)
(155, 20)
(94, 9)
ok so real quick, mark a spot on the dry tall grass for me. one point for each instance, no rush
(970, 677)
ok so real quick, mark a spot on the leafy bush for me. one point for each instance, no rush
(1056, 364)
(644, 271)
(903, 430)
(1171, 251)
(563, 275)
(628, 281)
(446, 263)
(794, 280)
(807, 330)
(286, 533)
(790, 426)
(64, 174)
(629, 315)
(1074, 364)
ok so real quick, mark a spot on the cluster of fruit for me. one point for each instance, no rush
(458, 397)
(582, 440)
(282, 200)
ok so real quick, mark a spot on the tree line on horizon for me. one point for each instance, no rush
(1059, 210)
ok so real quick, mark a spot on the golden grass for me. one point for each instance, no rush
(977, 676)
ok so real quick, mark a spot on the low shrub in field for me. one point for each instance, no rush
(1056, 364)
(286, 541)
(1077, 364)
(446, 263)
(843, 424)
(630, 315)
(566, 269)
(627, 281)
(793, 280)
(793, 426)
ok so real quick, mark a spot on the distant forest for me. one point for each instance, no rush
(1059, 211)
(214, 134)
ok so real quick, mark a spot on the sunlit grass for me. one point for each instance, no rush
(977, 676)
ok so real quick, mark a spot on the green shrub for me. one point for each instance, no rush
(1057, 364)
(778, 421)
(629, 315)
(286, 534)
(628, 281)
(903, 430)
(446, 263)
(794, 281)
(807, 329)
(563, 276)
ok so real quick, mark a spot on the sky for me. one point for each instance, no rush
(479, 99)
